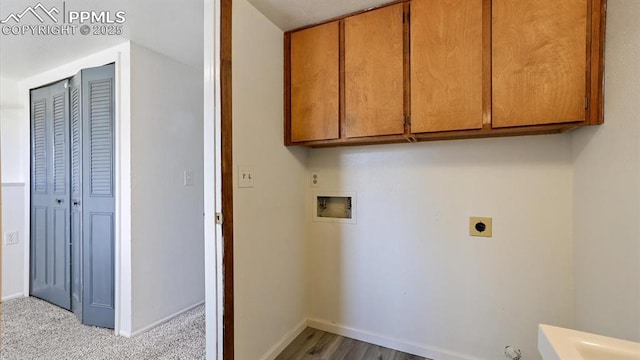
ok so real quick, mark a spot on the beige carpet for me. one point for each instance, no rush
(36, 330)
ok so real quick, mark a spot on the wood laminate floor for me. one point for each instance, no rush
(314, 344)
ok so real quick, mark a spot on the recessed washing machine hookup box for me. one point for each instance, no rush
(334, 207)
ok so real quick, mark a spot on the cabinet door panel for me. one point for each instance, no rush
(539, 61)
(446, 65)
(314, 83)
(374, 71)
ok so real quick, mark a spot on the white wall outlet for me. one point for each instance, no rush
(188, 178)
(481, 226)
(512, 353)
(314, 178)
(246, 177)
(11, 238)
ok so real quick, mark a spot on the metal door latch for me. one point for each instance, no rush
(219, 219)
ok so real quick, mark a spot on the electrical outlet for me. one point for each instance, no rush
(481, 226)
(512, 353)
(11, 238)
(188, 178)
(246, 177)
(315, 178)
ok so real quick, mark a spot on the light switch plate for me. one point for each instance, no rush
(246, 177)
(481, 226)
(188, 178)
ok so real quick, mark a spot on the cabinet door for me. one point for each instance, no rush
(446, 65)
(539, 61)
(374, 86)
(315, 83)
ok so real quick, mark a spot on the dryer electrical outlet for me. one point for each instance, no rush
(481, 226)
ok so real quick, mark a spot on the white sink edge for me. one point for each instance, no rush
(556, 343)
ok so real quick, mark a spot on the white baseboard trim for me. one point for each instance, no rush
(11, 297)
(287, 339)
(161, 321)
(388, 342)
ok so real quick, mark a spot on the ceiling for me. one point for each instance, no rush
(171, 27)
(291, 14)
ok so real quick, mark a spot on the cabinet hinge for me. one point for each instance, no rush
(407, 120)
(219, 219)
(586, 102)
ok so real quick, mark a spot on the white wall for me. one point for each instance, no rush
(167, 247)
(12, 133)
(11, 130)
(269, 222)
(409, 276)
(607, 190)
(9, 95)
(13, 255)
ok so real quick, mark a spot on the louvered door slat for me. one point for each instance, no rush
(75, 143)
(39, 147)
(59, 164)
(101, 133)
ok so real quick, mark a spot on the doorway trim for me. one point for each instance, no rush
(213, 247)
(218, 179)
(218, 173)
(227, 175)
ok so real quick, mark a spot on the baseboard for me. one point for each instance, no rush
(11, 297)
(161, 321)
(287, 339)
(388, 342)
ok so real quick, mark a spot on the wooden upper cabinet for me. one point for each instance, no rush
(454, 68)
(446, 65)
(374, 72)
(539, 61)
(314, 79)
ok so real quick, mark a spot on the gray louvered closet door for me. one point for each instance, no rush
(75, 99)
(98, 196)
(73, 195)
(50, 253)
